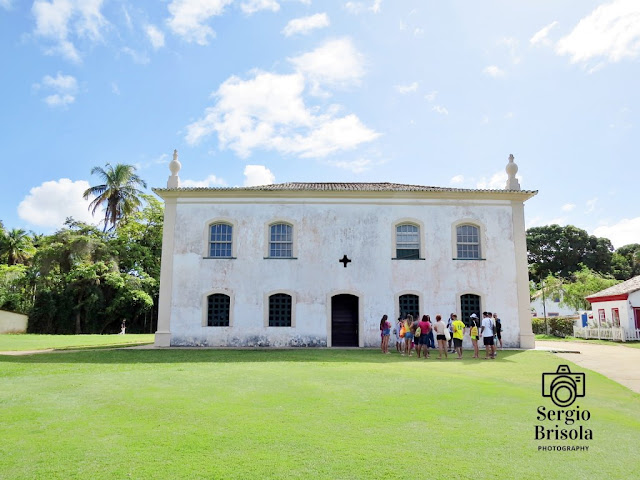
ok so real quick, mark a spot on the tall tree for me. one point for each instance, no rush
(118, 195)
(631, 253)
(16, 245)
(559, 251)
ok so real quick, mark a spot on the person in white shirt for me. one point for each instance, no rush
(487, 331)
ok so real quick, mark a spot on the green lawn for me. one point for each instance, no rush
(298, 414)
(552, 338)
(16, 342)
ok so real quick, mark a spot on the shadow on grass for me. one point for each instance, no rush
(333, 355)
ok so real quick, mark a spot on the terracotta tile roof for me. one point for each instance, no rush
(631, 285)
(347, 186)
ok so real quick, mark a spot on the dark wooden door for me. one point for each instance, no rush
(344, 321)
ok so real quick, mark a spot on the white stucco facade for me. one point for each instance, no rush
(330, 221)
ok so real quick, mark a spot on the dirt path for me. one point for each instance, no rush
(619, 363)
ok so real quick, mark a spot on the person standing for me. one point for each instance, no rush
(450, 328)
(439, 328)
(473, 332)
(486, 330)
(385, 327)
(396, 333)
(425, 333)
(408, 334)
(458, 334)
(498, 324)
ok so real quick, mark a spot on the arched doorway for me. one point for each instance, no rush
(344, 320)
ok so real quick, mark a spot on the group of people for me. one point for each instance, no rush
(422, 334)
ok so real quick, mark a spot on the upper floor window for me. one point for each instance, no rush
(407, 242)
(280, 310)
(281, 240)
(468, 242)
(220, 240)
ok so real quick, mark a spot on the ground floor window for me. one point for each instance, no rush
(280, 310)
(218, 310)
(615, 316)
(469, 303)
(409, 305)
(601, 317)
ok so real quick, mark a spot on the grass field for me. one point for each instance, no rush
(19, 342)
(298, 414)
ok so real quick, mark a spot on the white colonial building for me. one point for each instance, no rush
(618, 306)
(318, 264)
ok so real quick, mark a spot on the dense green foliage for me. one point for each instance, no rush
(559, 251)
(297, 414)
(558, 326)
(84, 280)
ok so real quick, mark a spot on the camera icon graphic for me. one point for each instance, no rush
(563, 386)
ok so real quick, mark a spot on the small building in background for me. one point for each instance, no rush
(618, 306)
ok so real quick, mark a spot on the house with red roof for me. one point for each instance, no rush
(618, 306)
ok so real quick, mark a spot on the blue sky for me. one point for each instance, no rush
(261, 91)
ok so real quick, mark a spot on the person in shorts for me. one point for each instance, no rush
(458, 334)
(473, 332)
(486, 330)
(408, 334)
(425, 336)
(440, 337)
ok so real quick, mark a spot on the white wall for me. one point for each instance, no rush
(12, 322)
(325, 231)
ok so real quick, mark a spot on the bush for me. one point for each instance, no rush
(558, 326)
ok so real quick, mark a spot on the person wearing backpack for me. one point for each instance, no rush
(486, 330)
(498, 328)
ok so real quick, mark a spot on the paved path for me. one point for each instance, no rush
(619, 363)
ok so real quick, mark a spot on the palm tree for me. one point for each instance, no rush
(16, 244)
(118, 194)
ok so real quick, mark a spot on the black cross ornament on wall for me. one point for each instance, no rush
(344, 261)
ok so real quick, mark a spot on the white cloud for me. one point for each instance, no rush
(253, 6)
(49, 204)
(59, 100)
(358, 165)
(624, 232)
(336, 63)
(115, 89)
(404, 89)
(611, 31)
(440, 109)
(541, 37)
(484, 120)
(304, 25)
(457, 180)
(64, 89)
(188, 17)
(60, 20)
(360, 7)
(509, 115)
(567, 207)
(493, 71)
(156, 37)
(210, 181)
(267, 111)
(5, 4)
(497, 181)
(257, 175)
(591, 205)
(431, 96)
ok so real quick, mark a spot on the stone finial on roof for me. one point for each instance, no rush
(512, 181)
(174, 166)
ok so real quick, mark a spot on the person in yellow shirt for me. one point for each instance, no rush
(458, 335)
(473, 331)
